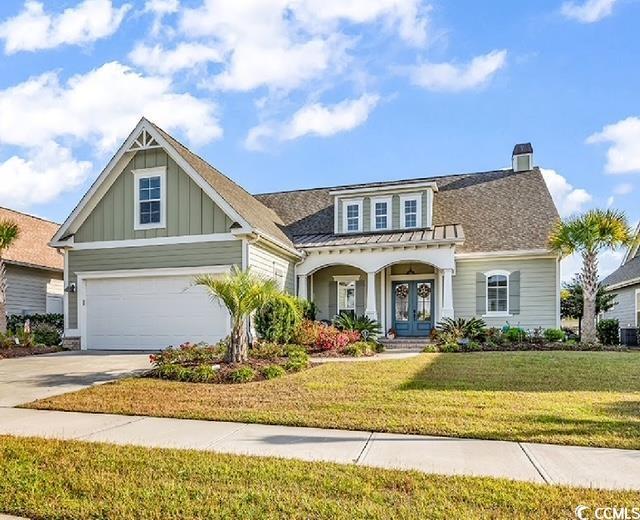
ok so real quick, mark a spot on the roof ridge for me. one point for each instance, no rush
(29, 215)
(390, 182)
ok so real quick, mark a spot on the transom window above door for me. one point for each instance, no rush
(150, 198)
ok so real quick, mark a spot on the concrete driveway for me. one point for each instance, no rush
(26, 379)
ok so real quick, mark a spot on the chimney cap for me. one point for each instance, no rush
(522, 148)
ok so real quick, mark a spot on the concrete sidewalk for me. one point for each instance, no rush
(571, 465)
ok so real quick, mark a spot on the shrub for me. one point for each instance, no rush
(204, 374)
(609, 332)
(25, 339)
(46, 334)
(358, 349)
(430, 348)
(15, 322)
(450, 347)
(242, 375)
(267, 351)
(471, 346)
(308, 309)
(367, 327)
(273, 371)
(298, 359)
(307, 333)
(173, 372)
(452, 330)
(189, 354)
(330, 338)
(515, 334)
(554, 335)
(536, 336)
(278, 319)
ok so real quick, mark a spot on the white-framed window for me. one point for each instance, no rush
(346, 296)
(497, 293)
(637, 307)
(352, 215)
(380, 213)
(411, 210)
(150, 198)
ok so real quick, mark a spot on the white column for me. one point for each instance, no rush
(383, 302)
(302, 286)
(447, 295)
(371, 296)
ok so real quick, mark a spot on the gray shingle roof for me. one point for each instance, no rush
(499, 210)
(437, 234)
(624, 273)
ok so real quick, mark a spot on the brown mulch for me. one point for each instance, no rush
(16, 352)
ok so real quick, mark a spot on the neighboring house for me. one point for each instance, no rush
(625, 283)
(34, 269)
(407, 253)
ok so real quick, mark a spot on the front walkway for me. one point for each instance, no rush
(571, 465)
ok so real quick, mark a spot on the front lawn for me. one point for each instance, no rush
(584, 398)
(68, 479)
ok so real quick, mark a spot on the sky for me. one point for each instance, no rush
(288, 94)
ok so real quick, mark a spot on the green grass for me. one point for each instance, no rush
(67, 479)
(584, 398)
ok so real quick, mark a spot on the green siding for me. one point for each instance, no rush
(538, 290)
(262, 261)
(395, 209)
(190, 211)
(325, 290)
(625, 310)
(149, 257)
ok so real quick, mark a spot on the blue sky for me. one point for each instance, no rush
(285, 94)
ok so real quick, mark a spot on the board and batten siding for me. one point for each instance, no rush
(625, 310)
(27, 289)
(190, 211)
(539, 303)
(148, 257)
(395, 209)
(264, 262)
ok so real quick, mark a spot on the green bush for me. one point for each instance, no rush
(308, 309)
(277, 320)
(450, 347)
(430, 348)
(515, 334)
(46, 334)
(204, 374)
(298, 359)
(366, 326)
(358, 349)
(189, 354)
(242, 375)
(609, 332)
(15, 322)
(273, 371)
(173, 372)
(267, 351)
(554, 335)
(452, 330)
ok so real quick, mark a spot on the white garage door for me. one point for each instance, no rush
(150, 313)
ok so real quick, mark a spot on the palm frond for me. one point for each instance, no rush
(9, 232)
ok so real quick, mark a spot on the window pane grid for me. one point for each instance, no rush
(411, 213)
(353, 217)
(150, 196)
(497, 293)
(381, 215)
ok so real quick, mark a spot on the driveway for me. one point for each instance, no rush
(26, 379)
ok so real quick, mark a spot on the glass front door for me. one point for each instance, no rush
(412, 307)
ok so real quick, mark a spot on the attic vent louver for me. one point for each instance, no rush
(522, 157)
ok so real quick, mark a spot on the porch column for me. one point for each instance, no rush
(371, 296)
(447, 295)
(302, 286)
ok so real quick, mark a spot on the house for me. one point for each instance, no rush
(34, 269)
(625, 283)
(407, 253)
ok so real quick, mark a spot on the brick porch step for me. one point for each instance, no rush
(404, 344)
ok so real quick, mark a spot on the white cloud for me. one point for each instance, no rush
(100, 107)
(610, 200)
(455, 78)
(160, 9)
(35, 29)
(623, 155)
(608, 261)
(48, 171)
(568, 199)
(589, 11)
(623, 189)
(185, 55)
(315, 119)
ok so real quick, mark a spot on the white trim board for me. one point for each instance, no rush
(141, 242)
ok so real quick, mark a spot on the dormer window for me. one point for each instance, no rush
(380, 213)
(150, 198)
(411, 211)
(352, 211)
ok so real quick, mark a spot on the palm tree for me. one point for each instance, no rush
(242, 293)
(589, 234)
(9, 232)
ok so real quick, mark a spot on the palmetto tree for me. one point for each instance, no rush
(242, 293)
(589, 234)
(9, 232)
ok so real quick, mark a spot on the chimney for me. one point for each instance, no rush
(522, 157)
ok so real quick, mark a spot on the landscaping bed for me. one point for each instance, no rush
(31, 335)
(71, 479)
(15, 352)
(583, 398)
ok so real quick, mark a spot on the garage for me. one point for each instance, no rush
(149, 313)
